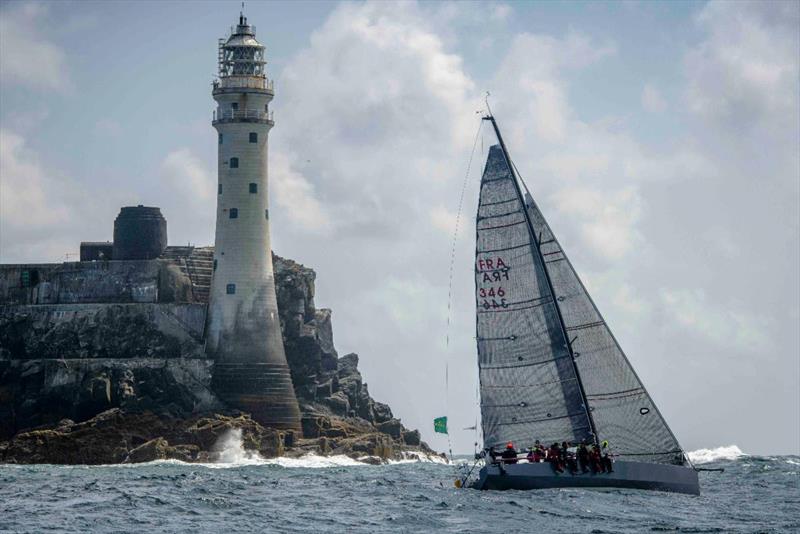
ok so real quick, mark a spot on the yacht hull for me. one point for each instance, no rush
(633, 475)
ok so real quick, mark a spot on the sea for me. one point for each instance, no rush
(245, 493)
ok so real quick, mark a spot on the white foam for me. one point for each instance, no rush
(410, 457)
(704, 456)
(231, 453)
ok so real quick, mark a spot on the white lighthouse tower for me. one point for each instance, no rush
(244, 334)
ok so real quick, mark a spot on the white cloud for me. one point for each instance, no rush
(43, 213)
(607, 219)
(530, 74)
(729, 327)
(443, 219)
(652, 100)
(747, 68)
(295, 195)
(27, 57)
(189, 178)
(24, 185)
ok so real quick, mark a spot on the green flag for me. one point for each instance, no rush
(440, 425)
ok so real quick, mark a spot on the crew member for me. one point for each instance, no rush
(606, 457)
(583, 457)
(554, 457)
(509, 455)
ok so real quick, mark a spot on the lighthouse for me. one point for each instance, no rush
(243, 332)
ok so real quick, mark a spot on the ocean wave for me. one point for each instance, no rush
(704, 456)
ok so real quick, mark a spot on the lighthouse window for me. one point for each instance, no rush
(234, 213)
(254, 188)
(266, 214)
(234, 106)
(220, 138)
(230, 289)
(234, 163)
(253, 137)
(219, 189)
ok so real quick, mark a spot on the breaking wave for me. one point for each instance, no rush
(231, 453)
(704, 456)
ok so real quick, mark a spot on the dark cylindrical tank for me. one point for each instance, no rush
(140, 233)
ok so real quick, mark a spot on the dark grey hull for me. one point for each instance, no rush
(634, 475)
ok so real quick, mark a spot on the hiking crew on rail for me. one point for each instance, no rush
(584, 457)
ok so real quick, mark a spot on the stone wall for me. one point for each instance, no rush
(101, 331)
(94, 282)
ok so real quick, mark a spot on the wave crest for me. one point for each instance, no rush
(704, 456)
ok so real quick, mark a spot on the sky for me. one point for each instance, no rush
(659, 139)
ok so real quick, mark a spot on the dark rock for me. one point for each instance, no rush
(411, 437)
(393, 427)
(338, 403)
(382, 412)
(155, 449)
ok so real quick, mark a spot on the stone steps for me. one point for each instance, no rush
(197, 264)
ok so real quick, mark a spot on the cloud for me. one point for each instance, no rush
(41, 210)
(746, 71)
(27, 57)
(652, 100)
(607, 219)
(530, 74)
(295, 196)
(24, 184)
(187, 175)
(729, 327)
(443, 219)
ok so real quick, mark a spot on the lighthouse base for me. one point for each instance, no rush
(263, 390)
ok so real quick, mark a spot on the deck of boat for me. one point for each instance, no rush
(634, 475)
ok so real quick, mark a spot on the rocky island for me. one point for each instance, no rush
(102, 361)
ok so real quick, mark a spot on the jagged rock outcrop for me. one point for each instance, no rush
(106, 383)
(118, 436)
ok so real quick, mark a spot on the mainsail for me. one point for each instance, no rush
(549, 367)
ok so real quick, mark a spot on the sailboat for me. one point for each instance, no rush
(549, 367)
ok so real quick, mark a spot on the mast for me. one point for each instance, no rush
(535, 239)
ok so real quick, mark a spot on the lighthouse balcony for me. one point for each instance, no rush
(249, 83)
(244, 115)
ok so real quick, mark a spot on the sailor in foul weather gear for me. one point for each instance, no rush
(568, 451)
(583, 457)
(509, 455)
(606, 457)
(554, 457)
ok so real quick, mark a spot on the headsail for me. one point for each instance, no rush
(529, 387)
(549, 367)
(621, 408)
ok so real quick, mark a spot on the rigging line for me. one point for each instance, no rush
(455, 233)
(450, 285)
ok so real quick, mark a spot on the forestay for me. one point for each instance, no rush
(529, 387)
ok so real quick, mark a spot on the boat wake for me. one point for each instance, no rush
(704, 456)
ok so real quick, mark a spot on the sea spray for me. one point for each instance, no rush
(704, 456)
(230, 450)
